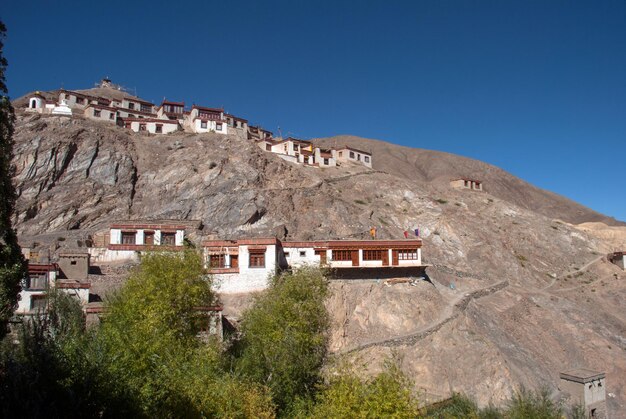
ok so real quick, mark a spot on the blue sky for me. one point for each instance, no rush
(537, 88)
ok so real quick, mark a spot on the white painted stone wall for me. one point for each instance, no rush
(210, 126)
(104, 255)
(296, 259)
(248, 279)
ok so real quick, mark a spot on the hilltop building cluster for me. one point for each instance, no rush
(113, 105)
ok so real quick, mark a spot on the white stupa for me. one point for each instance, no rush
(62, 109)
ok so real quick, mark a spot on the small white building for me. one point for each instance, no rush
(36, 103)
(202, 119)
(40, 280)
(138, 105)
(241, 265)
(465, 183)
(61, 109)
(174, 111)
(586, 388)
(152, 125)
(101, 113)
(126, 240)
(246, 265)
(346, 154)
(258, 133)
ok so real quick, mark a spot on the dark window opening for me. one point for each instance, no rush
(128, 238)
(168, 239)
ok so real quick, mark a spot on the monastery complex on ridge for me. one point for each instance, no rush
(114, 106)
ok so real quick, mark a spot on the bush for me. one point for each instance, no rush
(285, 335)
(387, 395)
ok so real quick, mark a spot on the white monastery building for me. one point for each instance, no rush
(245, 265)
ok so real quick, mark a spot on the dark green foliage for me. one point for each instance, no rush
(285, 335)
(49, 373)
(12, 267)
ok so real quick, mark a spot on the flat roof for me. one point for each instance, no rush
(582, 375)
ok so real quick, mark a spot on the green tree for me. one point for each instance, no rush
(151, 327)
(285, 335)
(47, 373)
(12, 266)
(387, 395)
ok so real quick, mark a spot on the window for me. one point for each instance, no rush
(159, 128)
(325, 162)
(372, 255)
(96, 113)
(128, 125)
(286, 254)
(217, 261)
(148, 238)
(218, 126)
(268, 147)
(202, 124)
(128, 237)
(358, 157)
(302, 253)
(37, 282)
(73, 262)
(146, 108)
(295, 147)
(352, 154)
(341, 154)
(366, 158)
(130, 115)
(168, 239)
(342, 255)
(38, 302)
(111, 115)
(407, 254)
(131, 105)
(234, 261)
(257, 259)
(466, 183)
(142, 127)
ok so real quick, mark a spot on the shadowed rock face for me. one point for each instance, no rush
(518, 293)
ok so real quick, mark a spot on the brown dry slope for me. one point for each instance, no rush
(525, 302)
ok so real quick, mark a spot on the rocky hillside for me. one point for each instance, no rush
(518, 292)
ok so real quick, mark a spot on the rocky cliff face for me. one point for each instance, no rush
(518, 293)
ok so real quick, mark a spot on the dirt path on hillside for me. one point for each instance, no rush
(451, 312)
(581, 269)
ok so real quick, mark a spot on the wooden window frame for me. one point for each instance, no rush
(342, 255)
(408, 254)
(256, 260)
(217, 261)
(128, 235)
(373, 254)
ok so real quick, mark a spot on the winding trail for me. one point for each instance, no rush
(581, 269)
(451, 312)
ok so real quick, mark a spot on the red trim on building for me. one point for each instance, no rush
(149, 226)
(143, 247)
